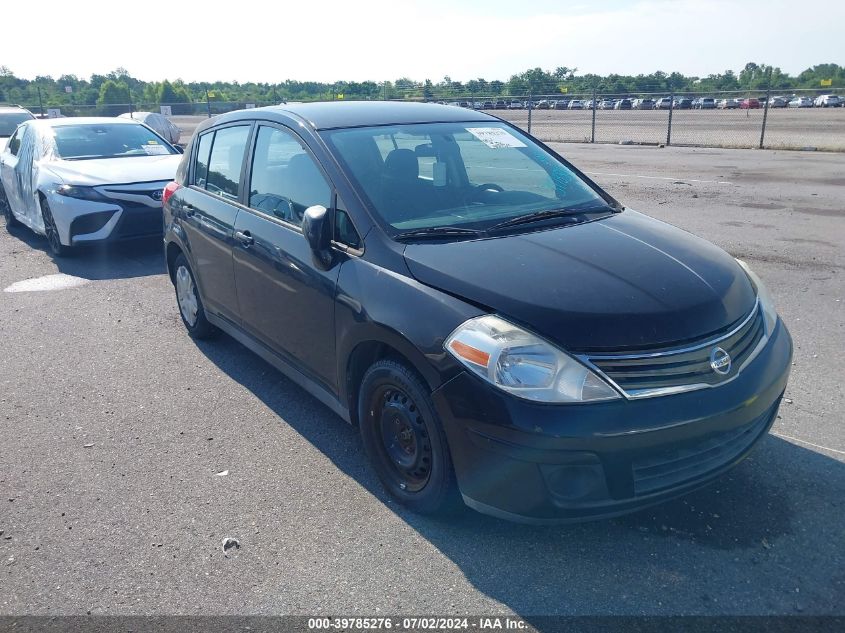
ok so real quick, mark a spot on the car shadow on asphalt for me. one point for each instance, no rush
(745, 527)
(98, 262)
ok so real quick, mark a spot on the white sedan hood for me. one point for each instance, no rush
(108, 171)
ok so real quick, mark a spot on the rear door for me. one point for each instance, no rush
(285, 301)
(207, 209)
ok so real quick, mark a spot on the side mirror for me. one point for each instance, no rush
(315, 228)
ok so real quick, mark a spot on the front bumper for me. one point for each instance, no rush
(86, 221)
(550, 463)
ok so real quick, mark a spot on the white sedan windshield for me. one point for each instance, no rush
(107, 140)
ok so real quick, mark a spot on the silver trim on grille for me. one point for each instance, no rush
(675, 389)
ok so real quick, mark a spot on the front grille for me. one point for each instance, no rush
(138, 220)
(671, 371)
(675, 467)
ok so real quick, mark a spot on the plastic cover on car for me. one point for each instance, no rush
(158, 122)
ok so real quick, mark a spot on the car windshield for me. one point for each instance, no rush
(459, 175)
(9, 121)
(107, 140)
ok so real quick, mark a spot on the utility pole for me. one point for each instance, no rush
(40, 102)
(530, 102)
(207, 103)
(669, 128)
(593, 132)
(766, 108)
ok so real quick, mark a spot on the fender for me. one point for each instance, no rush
(414, 320)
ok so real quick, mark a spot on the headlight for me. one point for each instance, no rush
(80, 192)
(770, 315)
(523, 364)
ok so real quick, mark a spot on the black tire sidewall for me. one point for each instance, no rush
(440, 491)
(58, 251)
(8, 217)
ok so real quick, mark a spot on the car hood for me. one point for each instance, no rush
(4, 140)
(625, 282)
(105, 171)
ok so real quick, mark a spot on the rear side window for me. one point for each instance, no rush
(201, 166)
(226, 160)
(15, 141)
(285, 178)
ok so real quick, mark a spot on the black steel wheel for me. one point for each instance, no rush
(404, 438)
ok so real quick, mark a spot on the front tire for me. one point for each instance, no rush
(188, 299)
(404, 439)
(52, 232)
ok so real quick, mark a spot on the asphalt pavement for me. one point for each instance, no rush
(128, 452)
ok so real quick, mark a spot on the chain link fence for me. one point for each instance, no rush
(789, 120)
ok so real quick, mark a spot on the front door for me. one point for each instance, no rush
(284, 300)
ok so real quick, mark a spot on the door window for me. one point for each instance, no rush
(15, 141)
(201, 166)
(226, 160)
(285, 178)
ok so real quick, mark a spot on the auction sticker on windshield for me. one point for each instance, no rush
(495, 137)
(154, 149)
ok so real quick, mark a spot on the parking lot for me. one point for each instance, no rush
(129, 451)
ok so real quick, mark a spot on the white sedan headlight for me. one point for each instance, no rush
(523, 364)
(770, 315)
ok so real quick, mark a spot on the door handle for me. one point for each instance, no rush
(188, 209)
(245, 238)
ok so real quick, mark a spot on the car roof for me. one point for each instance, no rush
(82, 120)
(14, 109)
(327, 115)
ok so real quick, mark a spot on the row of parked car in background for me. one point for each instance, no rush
(658, 103)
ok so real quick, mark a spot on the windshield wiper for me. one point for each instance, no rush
(438, 232)
(538, 216)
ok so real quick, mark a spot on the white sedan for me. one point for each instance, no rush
(81, 180)
(801, 102)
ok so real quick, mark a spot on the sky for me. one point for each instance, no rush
(357, 40)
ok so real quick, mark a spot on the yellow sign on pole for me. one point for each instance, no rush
(827, 82)
(340, 95)
(564, 89)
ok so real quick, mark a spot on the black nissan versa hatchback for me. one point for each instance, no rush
(500, 329)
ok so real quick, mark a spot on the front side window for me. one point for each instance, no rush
(458, 175)
(107, 140)
(285, 178)
(226, 160)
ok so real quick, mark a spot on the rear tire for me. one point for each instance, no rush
(188, 300)
(52, 232)
(404, 439)
(6, 208)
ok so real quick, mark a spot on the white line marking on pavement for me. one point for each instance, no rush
(605, 173)
(795, 439)
(59, 281)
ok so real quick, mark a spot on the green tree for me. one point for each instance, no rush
(114, 97)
